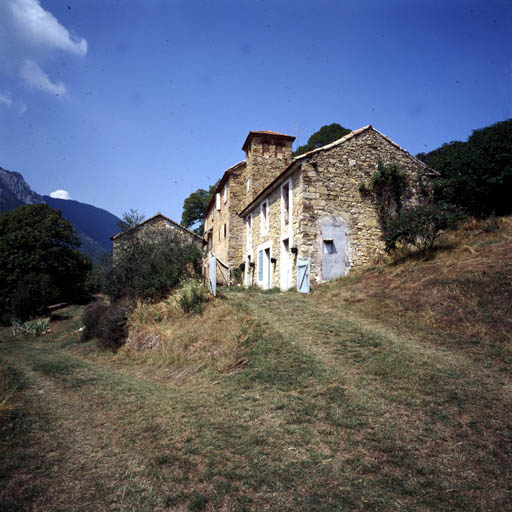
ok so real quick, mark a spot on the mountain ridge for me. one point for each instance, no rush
(94, 226)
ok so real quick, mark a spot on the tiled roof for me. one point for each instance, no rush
(266, 132)
(121, 233)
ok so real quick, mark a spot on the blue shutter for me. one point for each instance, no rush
(260, 266)
(303, 271)
(213, 275)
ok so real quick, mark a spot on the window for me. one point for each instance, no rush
(285, 203)
(225, 192)
(248, 184)
(279, 151)
(217, 201)
(264, 217)
(329, 247)
(225, 230)
(265, 149)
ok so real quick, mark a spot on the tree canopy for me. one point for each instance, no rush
(39, 261)
(327, 134)
(194, 206)
(130, 219)
(477, 174)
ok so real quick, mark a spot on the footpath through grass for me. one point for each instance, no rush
(333, 410)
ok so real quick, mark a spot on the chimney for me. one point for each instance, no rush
(267, 155)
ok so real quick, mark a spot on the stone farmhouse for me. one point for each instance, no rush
(273, 214)
(158, 222)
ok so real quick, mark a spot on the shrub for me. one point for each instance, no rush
(149, 265)
(113, 326)
(191, 295)
(106, 323)
(91, 319)
(420, 225)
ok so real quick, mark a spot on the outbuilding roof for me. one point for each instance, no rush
(183, 228)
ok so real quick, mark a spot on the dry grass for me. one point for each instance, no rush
(213, 339)
(464, 289)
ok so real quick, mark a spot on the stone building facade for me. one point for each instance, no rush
(267, 154)
(315, 209)
(155, 223)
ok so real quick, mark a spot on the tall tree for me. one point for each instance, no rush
(327, 134)
(194, 206)
(130, 219)
(477, 174)
(39, 261)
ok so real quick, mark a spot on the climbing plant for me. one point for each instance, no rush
(387, 185)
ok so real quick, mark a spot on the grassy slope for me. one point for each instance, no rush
(388, 390)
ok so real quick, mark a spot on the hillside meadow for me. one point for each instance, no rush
(389, 389)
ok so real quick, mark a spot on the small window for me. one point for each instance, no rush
(265, 148)
(329, 247)
(248, 184)
(217, 201)
(279, 151)
(264, 217)
(225, 193)
(285, 198)
(225, 230)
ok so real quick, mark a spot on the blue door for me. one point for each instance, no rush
(213, 275)
(303, 272)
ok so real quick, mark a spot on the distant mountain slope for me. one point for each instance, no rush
(14, 191)
(94, 226)
(96, 223)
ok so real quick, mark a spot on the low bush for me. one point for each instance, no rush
(106, 323)
(420, 226)
(36, 327)
(191, 295)
(113, 326)
(91, 319)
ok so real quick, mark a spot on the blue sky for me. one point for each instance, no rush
(137, 103)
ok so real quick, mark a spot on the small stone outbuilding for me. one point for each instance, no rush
(155, 223)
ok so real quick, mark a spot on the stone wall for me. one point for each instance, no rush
(264, 166)
(275, 234)
(332, 195)
(329, 208)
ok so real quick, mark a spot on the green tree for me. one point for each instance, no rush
(149, 265)
(477, 174)
(327, 134)
(39, 261)
(194, 206)
(130, 219)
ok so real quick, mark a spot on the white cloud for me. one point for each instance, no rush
(36, 77)
(6, 99)
(60, 194)
(29, 35)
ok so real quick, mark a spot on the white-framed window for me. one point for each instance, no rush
(225, 193)
(248, 184)
(217, 201)
(264, 214)
(249, 232)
